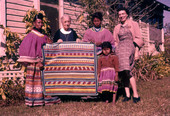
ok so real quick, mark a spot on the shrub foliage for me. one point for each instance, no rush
(11, 92)
(150, 67)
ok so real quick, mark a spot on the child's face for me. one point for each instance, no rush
(106, 51)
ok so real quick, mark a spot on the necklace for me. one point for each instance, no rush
(97, 29)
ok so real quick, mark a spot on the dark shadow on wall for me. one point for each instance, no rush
(52, 16)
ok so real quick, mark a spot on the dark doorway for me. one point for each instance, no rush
(50, 7)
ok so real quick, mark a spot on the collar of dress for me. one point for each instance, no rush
(126, 23)
(97, 29)
(37, 33)
(64, 31)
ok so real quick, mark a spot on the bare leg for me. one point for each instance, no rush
(133, 84)
(127, 91)
(114, 98)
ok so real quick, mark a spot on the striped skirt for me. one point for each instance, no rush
(33, 89)
(107, 80)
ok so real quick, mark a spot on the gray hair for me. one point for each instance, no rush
(64, 16)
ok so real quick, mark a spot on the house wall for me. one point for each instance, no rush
(16, 9)
(2, 22)
(11, 15)
(152, 37)
(76, 13)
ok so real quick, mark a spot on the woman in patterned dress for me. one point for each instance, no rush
(30, 52)
(127, 40)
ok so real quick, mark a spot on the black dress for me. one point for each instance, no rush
(72, 36)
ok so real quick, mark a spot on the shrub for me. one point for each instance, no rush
(11, 92)
(151, 67)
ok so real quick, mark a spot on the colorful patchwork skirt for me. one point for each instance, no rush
(33, 89)
(106, 80)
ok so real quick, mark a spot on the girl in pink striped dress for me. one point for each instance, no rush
(107, 72)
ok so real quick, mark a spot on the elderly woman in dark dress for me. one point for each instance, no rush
(128, 40)
(65, 33)
(30, 52)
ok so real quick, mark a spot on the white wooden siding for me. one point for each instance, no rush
(74, 10)
(16, 9)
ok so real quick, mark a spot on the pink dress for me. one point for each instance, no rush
(107, 68)
(98, 37)
(30, 52)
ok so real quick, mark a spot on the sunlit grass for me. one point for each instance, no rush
(155, 100)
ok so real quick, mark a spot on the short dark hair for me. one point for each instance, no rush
(38, 16)
(107, 45)
(97, 15)
(123, 8)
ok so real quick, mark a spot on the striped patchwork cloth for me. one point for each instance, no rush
(70, 69)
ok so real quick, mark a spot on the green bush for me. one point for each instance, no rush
(150, 67)
(11, 92)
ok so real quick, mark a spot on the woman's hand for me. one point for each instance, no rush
(40, 65)
(49, 41)
(60, 41)
(78, 40)
(136, 53)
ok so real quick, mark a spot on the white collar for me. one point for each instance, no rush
(64, 31)
(37, 33)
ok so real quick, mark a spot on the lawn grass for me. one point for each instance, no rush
(155, 101)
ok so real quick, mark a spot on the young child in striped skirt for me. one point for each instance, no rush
(108, 67)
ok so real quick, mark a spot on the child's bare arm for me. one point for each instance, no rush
(116, 77)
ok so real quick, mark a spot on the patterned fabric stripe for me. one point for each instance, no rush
(28, 59)
(37, 89)
(77, 83)
(71, 90)
(73, 93)
(46, 101)
(108, 91)
(68, 46)
(70, 61)
(69, 77)
(109, 68)
(36, 103)
(107, 82)
(55, 101)
(33, 88)
(69, 68)
(71, 74)
(34, 96)
(52, 51)
(64, 55)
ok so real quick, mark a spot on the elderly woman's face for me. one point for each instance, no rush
(122, 16)
(97, 22)
(66, 23)
(38, 23)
